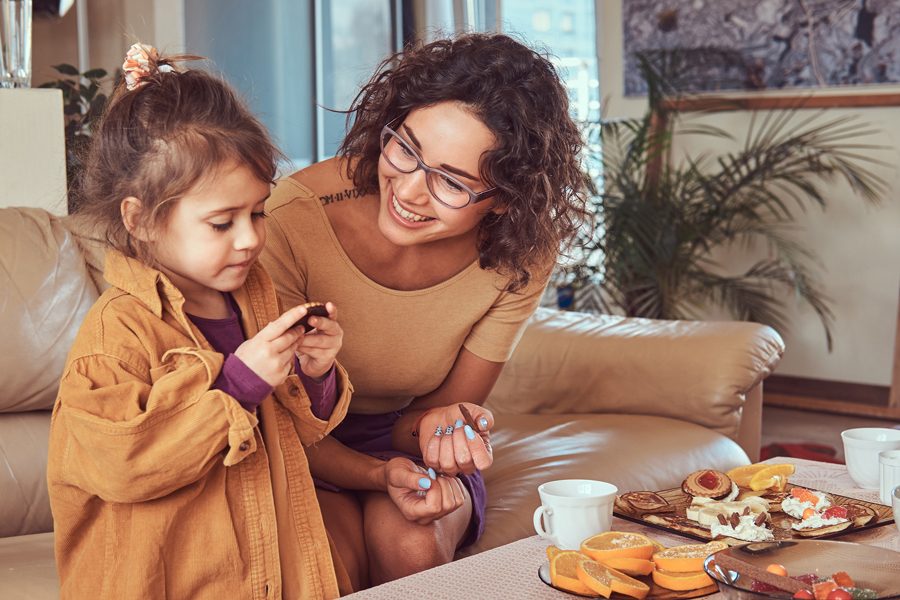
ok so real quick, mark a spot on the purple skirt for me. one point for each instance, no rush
(371, 434)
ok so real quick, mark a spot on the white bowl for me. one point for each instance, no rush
(861, 448)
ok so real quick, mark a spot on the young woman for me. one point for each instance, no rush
(435, 229)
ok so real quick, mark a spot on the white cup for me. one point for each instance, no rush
(574, 510)
(888, 473)
(895, 503)
(861, 448)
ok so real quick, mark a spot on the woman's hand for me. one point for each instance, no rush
(270, 353)
(450, 445)
(422, 495)
(318, 349)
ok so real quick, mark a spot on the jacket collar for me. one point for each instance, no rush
(154, 288)
(143, 282)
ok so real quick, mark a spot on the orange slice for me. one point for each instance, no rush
(742, 475)
(552, 551)
(687, 558)
(772, 477)
(563, 572)
(629, 566)
(595, 576)
(619, 544)
(681, 582)
(628, 586)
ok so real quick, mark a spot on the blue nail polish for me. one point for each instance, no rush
(424, 483)
(482, 423)
(437, 432)
(431, 473)
(458, 423)
(449, 430)
(470, 433)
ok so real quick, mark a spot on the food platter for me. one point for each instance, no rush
(674, 517)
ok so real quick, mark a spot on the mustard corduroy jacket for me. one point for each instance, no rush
(164, 488)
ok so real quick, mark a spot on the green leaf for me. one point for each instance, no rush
(66, 69)
(95, 74)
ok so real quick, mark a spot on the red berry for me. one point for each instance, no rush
(804, 595)
(835, 511)
(839, 594)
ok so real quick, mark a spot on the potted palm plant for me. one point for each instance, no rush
(661, 221)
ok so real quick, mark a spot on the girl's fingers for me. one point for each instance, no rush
(327, 325)
(279, 326)
(287, 340)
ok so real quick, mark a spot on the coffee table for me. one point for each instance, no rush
(510, 571)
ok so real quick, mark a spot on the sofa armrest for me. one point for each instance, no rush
(698, 371)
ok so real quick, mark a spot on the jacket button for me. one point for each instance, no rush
(244, 446)
(293, 390)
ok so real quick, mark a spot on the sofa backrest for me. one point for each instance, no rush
(46, 288)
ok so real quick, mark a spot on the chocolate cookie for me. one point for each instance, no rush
(313, 309)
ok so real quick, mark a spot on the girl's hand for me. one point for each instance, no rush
(422, 495)
(270, 353)
(318, 348)
(450, 445)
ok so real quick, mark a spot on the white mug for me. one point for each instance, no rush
(574, 510)
(895, 502)
(888, 474)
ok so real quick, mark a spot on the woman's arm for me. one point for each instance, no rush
(421, 496)
(333, 462)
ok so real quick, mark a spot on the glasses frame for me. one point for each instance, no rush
(474, 197)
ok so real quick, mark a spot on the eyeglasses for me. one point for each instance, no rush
(446, 189)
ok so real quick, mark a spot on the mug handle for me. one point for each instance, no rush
(538, 527)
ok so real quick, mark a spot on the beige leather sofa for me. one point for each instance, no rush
(635, 402)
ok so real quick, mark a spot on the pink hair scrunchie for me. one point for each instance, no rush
(139, 64)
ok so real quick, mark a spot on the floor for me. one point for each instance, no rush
(782, 425)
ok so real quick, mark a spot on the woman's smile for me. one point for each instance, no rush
(407, 217)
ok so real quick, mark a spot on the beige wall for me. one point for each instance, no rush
(113, 26)
(859, 246)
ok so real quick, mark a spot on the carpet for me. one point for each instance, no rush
(809, 451)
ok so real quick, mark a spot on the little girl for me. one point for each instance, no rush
(176, 466)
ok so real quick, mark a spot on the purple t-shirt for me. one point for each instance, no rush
(240, 382)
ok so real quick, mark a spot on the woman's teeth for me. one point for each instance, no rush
(409, 216)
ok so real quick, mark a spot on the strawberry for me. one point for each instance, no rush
(835, 511)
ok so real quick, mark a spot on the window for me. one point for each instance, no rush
(294, 59)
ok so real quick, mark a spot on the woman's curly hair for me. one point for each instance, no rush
(518, 95)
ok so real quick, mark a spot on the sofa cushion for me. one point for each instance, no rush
(24, 501)
(634, 452)
(699, 371)
(45, 291)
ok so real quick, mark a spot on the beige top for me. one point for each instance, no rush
(398, 345)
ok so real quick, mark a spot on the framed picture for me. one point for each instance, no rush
(724, 52)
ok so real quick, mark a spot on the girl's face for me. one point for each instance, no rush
(213, 234)
(446, 136)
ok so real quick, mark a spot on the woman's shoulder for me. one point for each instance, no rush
(322, 183)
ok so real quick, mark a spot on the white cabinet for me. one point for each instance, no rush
(32, 149)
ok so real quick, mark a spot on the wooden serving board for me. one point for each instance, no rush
(781, 522)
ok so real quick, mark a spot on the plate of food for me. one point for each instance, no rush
(754, 503)
(806, 569)
(619, 564)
